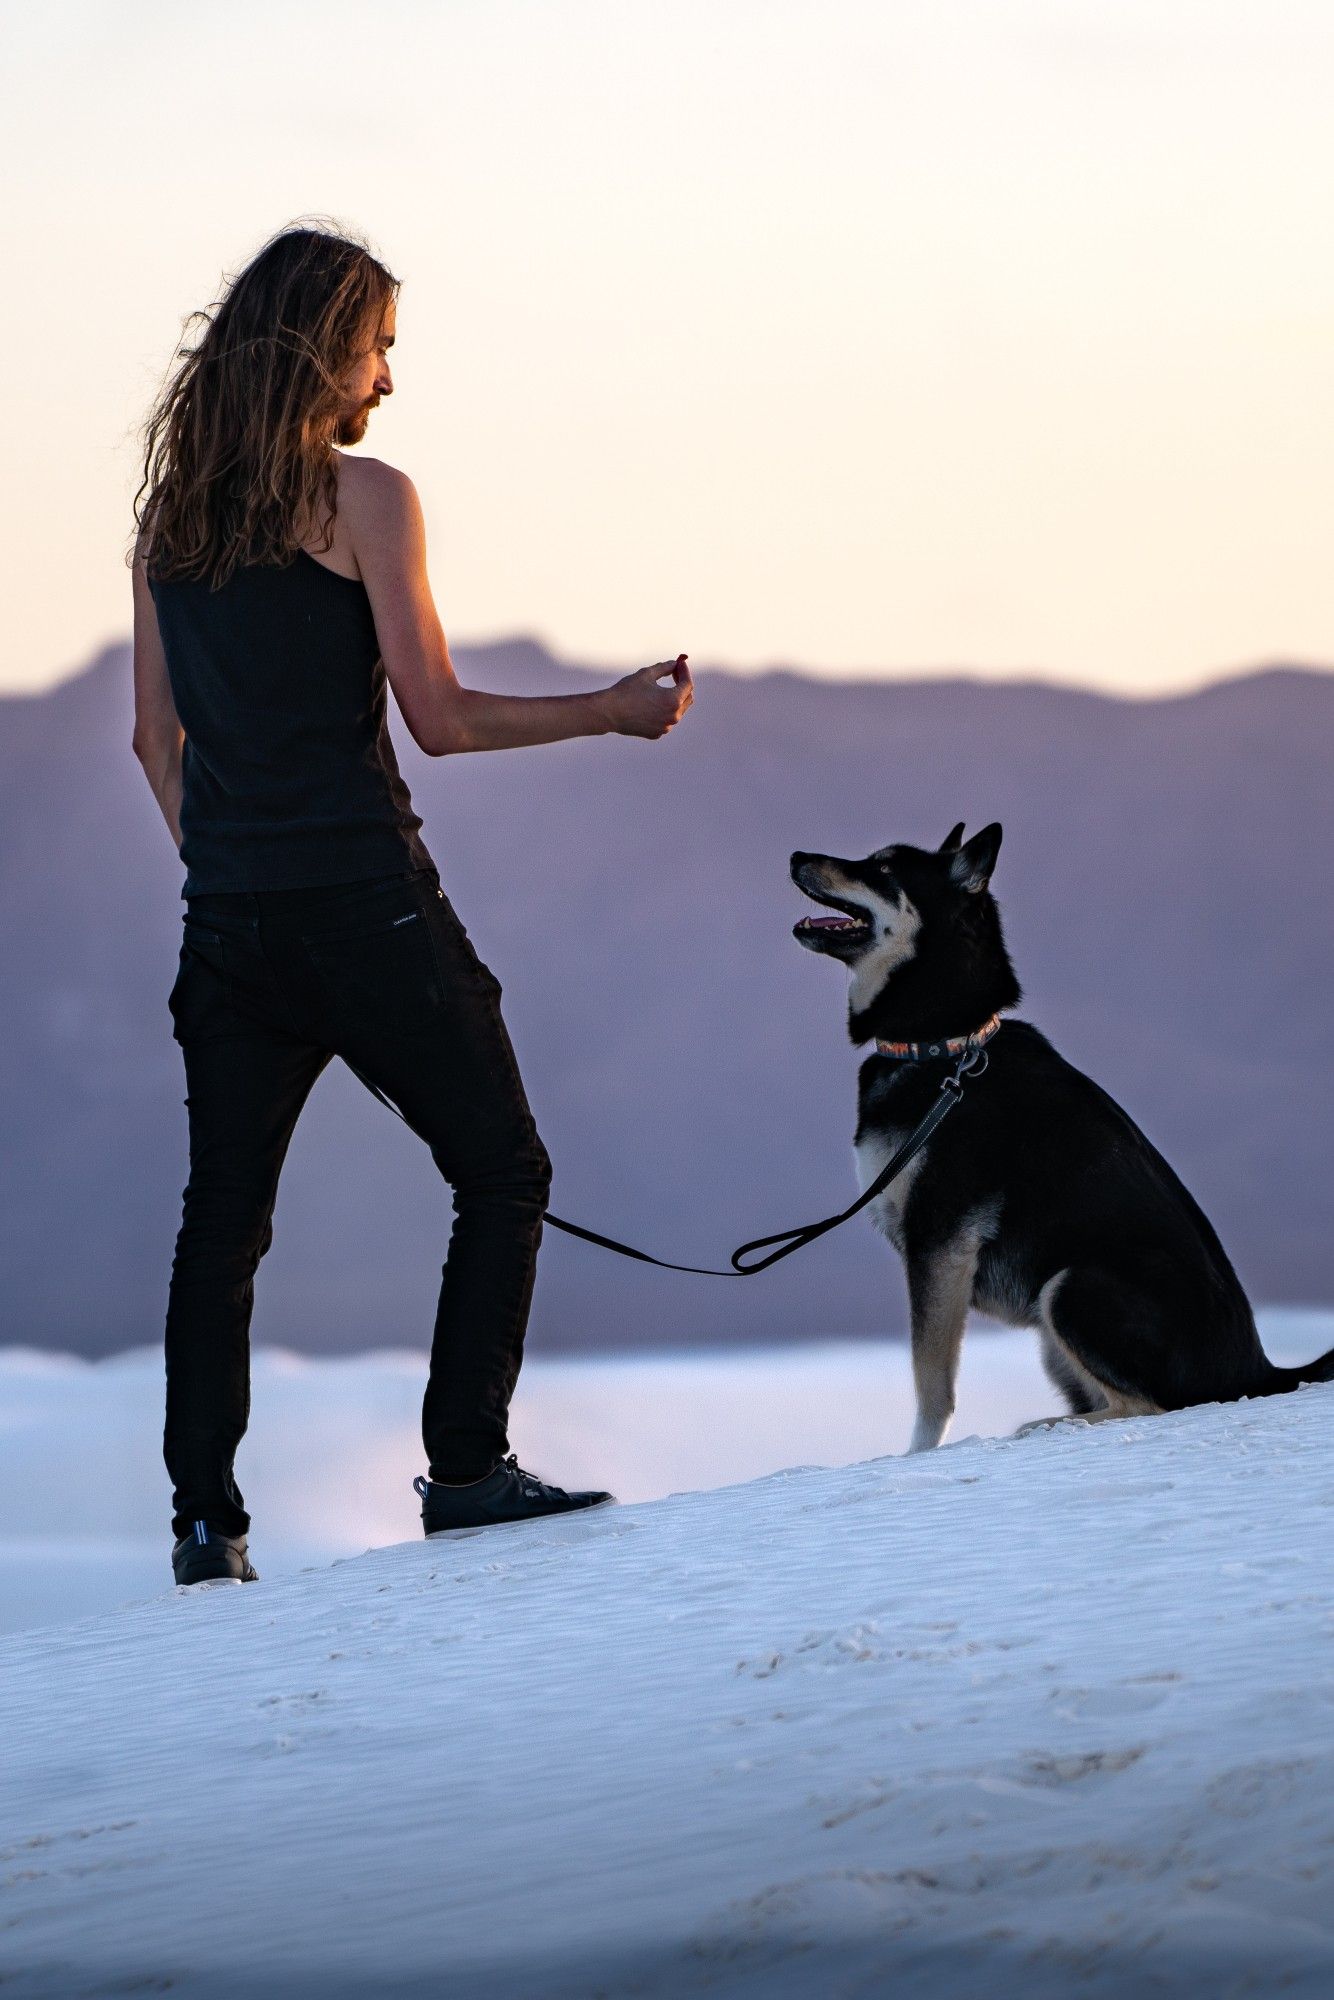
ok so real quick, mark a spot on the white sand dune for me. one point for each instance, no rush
(327, 1464)
(1038, 1716)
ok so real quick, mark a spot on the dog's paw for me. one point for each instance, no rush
(1046, 1424)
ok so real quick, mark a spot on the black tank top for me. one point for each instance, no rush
(290, 779)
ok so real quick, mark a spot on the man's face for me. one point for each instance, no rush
(367, 380)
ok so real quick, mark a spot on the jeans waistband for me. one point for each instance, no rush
(249, 905)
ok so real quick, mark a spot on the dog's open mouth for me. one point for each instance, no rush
(850, 924)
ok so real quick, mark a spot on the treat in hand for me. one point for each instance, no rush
(638, 706)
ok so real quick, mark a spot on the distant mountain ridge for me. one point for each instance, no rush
(1164, 887)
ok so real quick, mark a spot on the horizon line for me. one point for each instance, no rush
(1014, 677)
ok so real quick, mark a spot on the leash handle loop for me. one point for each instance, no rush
(951, 1090)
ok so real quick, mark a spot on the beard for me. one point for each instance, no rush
(351, 430)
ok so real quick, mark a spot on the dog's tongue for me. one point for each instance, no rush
(828, 923)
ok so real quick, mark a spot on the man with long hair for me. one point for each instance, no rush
(280, 587)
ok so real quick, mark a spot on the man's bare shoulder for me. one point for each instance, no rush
(379, 503)
(370, 485)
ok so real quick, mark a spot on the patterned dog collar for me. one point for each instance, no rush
(955, 1045)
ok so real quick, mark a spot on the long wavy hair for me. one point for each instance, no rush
(238, 447)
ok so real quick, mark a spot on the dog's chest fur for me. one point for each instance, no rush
(890, 1106)
(970, 1215)
(874, 1150)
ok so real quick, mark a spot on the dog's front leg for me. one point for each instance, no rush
(940, 1289)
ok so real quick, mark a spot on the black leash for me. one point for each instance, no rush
(972, 1062)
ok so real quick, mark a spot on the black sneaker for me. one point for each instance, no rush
(507, 1494)
(205, 1556)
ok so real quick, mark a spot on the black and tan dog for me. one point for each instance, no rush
(1038, 1200)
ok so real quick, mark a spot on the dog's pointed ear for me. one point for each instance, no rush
(954, 838)
(972, 866)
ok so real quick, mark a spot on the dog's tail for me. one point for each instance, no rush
(1278, 1380)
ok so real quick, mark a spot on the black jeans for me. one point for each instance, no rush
(271, 986)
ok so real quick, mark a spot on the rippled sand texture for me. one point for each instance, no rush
(1048, 1715)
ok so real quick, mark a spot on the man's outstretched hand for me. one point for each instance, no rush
(637, 706)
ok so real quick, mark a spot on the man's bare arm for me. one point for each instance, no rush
(384, 516)
(158, 737)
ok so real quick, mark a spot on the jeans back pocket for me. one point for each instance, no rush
(379, 966)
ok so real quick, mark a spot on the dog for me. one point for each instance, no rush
(1038, 1200)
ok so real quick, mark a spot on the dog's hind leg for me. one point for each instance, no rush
(1082, 1394)
(1084, 1397)
(940, 1290)
(1114, 1340)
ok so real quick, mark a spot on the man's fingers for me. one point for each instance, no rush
(674, 700)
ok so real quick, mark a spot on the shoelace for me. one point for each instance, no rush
(531, 1484)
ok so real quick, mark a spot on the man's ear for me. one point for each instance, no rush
(972, 866)
(953, 838)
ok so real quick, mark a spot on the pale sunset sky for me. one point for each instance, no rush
(865, 336)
